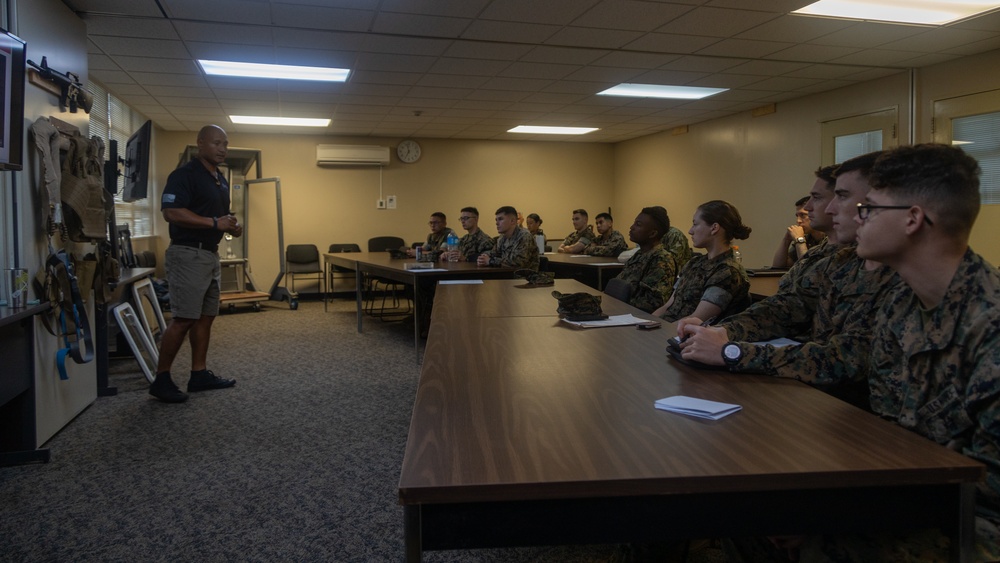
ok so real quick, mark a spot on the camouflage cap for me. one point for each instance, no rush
(534, 277)
(579, 306)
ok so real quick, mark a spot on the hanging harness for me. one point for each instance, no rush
(68, 320)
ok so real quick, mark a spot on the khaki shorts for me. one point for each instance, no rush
(194, 276)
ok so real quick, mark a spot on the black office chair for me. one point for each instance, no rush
(337, 248)
(375, 284)
(303, 260)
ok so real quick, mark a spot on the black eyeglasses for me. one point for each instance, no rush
(865, 210)
(465, 218)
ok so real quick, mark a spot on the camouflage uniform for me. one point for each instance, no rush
(937, 372)
(676, 243)
(438, 241)
(835, 304)
(720, 280)
(804, 265)
(585, 237)
(611, 244)
(472, 245)
(650, 277)
(518, 251)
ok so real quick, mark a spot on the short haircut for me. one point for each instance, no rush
(534, 217)
(605, 216)
(439, 215)
(507, 210)
(472, 210)
(861, 163)
(659, 216)
(801, 201)
(727, 216)
(940, 178)
(828, 174)
(581, 212)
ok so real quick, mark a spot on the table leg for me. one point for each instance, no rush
(964, 535)
(418, 311)
(358, 289)
(411, 533)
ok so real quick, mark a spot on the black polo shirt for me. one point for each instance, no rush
(193, 187)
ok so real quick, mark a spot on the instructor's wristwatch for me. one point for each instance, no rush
(801, 240)
(732, 354)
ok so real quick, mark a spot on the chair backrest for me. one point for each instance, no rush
(381, 244)
(302, 254)
(347, 247)
(618, 288)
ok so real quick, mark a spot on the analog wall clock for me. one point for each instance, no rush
(408, 151)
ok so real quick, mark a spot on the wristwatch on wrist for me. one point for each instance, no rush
(732, 353)
(801, 240)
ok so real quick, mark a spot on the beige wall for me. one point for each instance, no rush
(324, 205)
(57, 401)
(759, 164)
(762, 165)
(970, 75)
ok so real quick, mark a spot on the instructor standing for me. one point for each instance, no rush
(196, 205)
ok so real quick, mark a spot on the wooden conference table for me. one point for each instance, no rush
(383, 265)
(526, 431)
(590, 270)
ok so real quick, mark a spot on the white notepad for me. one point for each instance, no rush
(696, 407)
(460, 282)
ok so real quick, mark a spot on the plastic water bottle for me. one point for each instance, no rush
(737, 255)
(452, 247)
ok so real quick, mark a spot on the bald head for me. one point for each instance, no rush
(213, 145)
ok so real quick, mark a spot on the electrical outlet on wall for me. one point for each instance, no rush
(380, 204)
(391, 202)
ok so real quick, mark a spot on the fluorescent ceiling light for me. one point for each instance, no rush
(293, 121)
(661, 91)
(281, 72)
(926, 12)
(547, 130)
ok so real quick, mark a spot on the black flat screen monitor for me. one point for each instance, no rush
(137, 164)
(12, 57)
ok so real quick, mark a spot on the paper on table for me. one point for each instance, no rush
(460, 282)
(696, 407)
(613, 320)
(606, 264)
(432, 270)
(579, 256)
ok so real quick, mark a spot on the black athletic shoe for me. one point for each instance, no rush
(205, 380)
(164, 389)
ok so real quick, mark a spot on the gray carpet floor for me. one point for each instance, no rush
(299, 462)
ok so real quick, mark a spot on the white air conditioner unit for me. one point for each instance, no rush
(351, 155)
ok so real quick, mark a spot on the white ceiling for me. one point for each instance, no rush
(471, 69)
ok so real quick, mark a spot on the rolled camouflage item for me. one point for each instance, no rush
(579, 306)
(535, 278)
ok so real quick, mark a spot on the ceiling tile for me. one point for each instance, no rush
(454, 8)
(526, 33)
(138, 8)
(130, 46)
(590, 37)
(631, 15)
(410, 24)
(716, 22)
(146, 28)
(556, 12)
(222, 11)
(744, 48)
(321, 17)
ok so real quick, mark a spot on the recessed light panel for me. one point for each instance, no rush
(661, 91)
(292, 121)
(926, 12)
(281, 72)
(547, 130)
